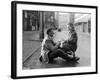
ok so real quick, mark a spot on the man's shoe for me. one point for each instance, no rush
(40, 58)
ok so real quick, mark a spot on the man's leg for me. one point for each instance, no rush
(58, 53)
(52, 55)
(63, 54)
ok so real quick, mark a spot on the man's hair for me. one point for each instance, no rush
(49, 30)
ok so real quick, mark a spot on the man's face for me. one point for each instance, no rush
(51, 33)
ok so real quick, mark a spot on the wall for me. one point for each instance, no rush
(5, 40)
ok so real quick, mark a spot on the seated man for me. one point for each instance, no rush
(50, 50)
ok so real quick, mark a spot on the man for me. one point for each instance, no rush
(50, 50)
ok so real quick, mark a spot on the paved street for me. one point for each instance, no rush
(31, 52)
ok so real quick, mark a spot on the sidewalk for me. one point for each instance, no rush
(29, 47)
(31, 43)
(83, 51)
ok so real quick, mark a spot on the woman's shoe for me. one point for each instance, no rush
(75, 59)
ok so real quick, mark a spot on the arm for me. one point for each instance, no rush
(50, 45)
(73, 38)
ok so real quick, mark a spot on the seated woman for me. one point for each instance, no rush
(68, 38)
(70, 44)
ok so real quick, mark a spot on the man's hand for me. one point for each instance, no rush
(58, 44)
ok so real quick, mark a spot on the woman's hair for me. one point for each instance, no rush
(71, 27)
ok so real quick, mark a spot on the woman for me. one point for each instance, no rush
(70, 44)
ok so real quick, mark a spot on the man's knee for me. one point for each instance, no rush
(56, 53)
(52, 54)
